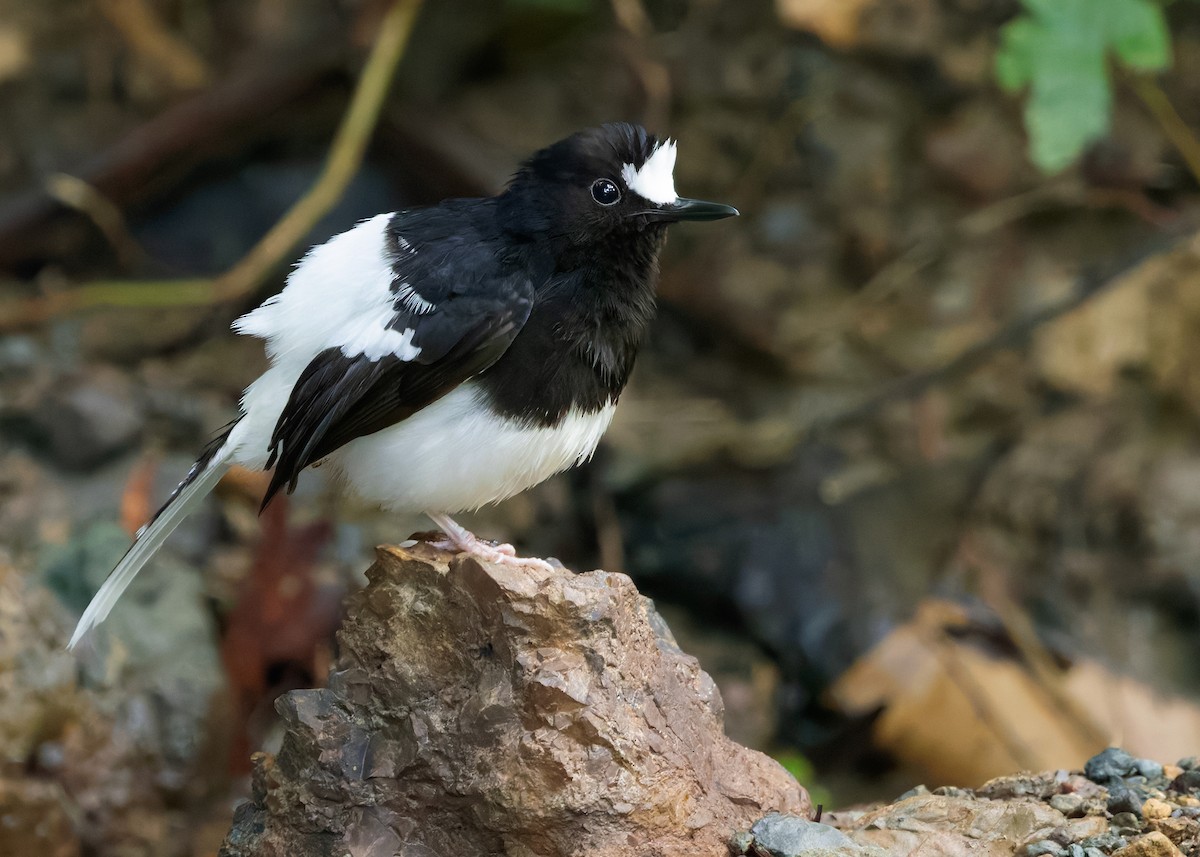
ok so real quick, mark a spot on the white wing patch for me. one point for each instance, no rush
(655, 181)
(377, 341)
(412, 301)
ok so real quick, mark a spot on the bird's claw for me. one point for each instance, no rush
(500, 554)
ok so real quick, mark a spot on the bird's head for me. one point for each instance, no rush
(615, 181)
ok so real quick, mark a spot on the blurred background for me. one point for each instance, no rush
(910, 462)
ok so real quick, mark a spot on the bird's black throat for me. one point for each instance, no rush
(591, 314)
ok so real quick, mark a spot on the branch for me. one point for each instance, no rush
(1091, 284)
(147, 35)
(345, 157)
(1168, 118)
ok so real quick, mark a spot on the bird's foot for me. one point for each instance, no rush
(504, 554)
(461, 539)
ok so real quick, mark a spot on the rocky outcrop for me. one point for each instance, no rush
(487, 710)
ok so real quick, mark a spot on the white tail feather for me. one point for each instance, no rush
(149, 540)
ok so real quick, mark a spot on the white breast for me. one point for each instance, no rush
(456, 455)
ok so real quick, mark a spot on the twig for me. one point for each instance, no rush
(978, 224)
(345, 156)
(1168, 118)
(81, 196)
(226, 116)
(939, 641)
(1042, 667)
(140, 294)
(1090, 284)
(149, 37)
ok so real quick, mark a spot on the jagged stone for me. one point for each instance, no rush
(487, 710)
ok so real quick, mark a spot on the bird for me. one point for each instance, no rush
(440, 359)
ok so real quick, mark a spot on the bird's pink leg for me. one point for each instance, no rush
(463, 540)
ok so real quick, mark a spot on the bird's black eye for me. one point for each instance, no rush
(605, 192)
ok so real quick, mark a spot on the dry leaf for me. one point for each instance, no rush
(965, 710)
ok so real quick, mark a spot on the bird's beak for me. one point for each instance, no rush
(697, 209)
(689, 209)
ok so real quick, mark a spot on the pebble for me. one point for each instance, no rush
(1108, 765)
(953, 791)
(1070, 805)
(790, 836)
(1190, 763)
(1155, 808)
(1104, 843)
(1149, 768)
(1126, 822)
(1188, 781)
(740, 843)
(1122, 800)
(86, 421)
(1178, 830)
(1151, 845)
(1042, 847)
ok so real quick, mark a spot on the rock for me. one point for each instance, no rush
(1126, 822)
(1108, 765)
(741, 842)
(89, 420)
(789, 836)
(953, 791)
(35, 819)
(1148, 768)
(1070, 805)
(1184, 832)
(1122, 799)
(1105, 843)
(747, 678)
(937, 824)
(1020, 785)
(1154, 808)
(1151, 845)
(485, 710)
(1188, 781)
(127, 751)
(1043, 846)
(157, 649)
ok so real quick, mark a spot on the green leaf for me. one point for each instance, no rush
(802, 770)
(1138, 32)
(1060, 50)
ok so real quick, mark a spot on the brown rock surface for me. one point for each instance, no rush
(485, 710)
(1151, 845)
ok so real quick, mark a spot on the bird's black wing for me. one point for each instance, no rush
(454, 303)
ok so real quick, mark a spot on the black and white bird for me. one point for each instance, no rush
(444, 358)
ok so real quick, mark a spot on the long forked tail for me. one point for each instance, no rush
(203, 478)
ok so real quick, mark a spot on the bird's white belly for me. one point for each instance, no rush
(456, 455)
